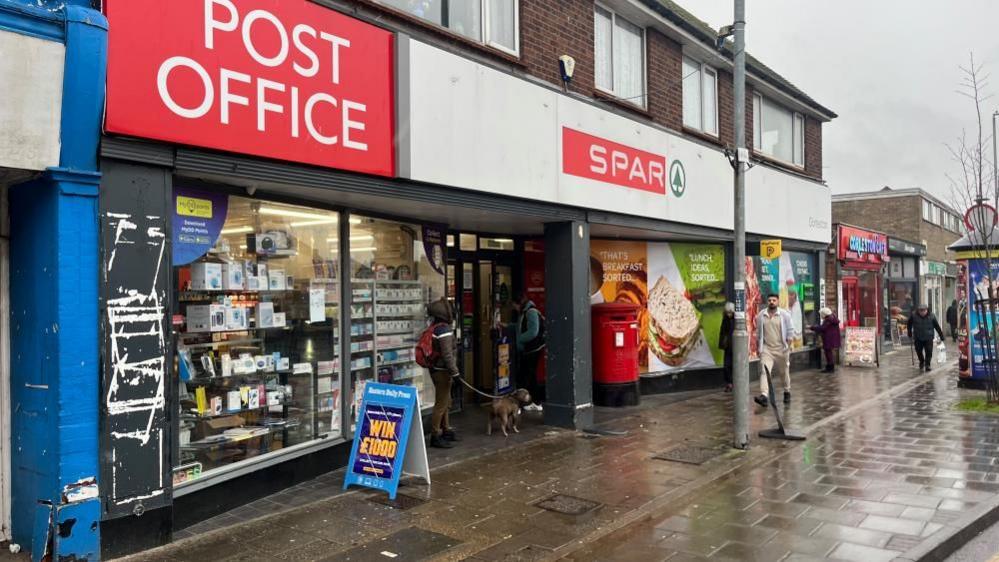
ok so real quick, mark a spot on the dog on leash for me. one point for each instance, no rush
(507, 410)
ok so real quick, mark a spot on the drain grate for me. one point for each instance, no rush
(401, 501)
(689, 454)
(567, 505)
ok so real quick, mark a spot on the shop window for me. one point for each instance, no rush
(256, 330)
(700, 97)
(798, 278)
(468, 242)
(492, 22)
(619, 51)
(778, 132)
(496, 244)
(396, 269)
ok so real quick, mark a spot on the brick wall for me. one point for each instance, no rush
(552, 28)
(937, 239)
(665, 88)
(813, 148)
(898, 217)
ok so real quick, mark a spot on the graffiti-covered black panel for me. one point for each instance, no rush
(135, 340)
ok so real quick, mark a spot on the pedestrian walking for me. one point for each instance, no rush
(775, 331)
(443, 370)
(920, 329)
(530, 347)
(828, 329)
(952, 319)
(725, 336)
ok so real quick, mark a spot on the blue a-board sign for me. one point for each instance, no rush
(388, 439)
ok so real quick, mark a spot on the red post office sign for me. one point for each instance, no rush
(599, 159)
(284, 79)
(862, 246)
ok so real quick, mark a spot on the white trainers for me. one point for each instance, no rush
(533, 408)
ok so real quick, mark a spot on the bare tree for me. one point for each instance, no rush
(974, 189)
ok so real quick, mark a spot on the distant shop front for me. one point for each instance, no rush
(861, 256)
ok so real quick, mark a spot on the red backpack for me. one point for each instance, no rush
(426, 353)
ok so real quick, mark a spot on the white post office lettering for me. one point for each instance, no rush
(262, 96)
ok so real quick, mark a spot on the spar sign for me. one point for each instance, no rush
(284, 79)
(594, 158)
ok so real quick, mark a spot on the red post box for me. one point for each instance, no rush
(615, 354)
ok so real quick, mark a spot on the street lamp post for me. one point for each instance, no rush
(740, 341)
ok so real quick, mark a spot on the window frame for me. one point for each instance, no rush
(702, 70)
(485, 40)
(927, 210)
(642, 101)
(758, 99)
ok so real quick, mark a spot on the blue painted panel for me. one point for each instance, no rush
(83, 88)
(34, 372)
(27, 17)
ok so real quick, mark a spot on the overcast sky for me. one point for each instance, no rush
(888, 68)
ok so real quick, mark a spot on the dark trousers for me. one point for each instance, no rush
(727, 366)
(953, 332)
(442, 402)
(528, 376)
(830, 358)
(924, 351)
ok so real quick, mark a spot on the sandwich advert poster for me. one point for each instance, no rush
(680, 291)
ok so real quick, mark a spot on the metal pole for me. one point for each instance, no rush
(740, 353)
(995, 164)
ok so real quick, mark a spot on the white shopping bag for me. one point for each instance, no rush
(941, 353)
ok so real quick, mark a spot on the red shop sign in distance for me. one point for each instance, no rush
(864, 246)
(599, 159)
(284, 79)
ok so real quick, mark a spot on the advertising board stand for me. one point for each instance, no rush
(389, 439)
(976, 340)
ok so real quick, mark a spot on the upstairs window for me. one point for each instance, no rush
(927, 210)
(491, 22)
(700, 97)
(778, 132)
(619, 56)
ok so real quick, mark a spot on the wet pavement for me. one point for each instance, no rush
(887, 467)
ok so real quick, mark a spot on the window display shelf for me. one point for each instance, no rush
(399, 333)
(397, 281)
(214, 344)
(406, 345)
(195, 416)
(396, 362)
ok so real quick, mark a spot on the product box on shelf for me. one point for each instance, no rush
(253, 283)
(245, 365)
(206, 318)
(233, 277)
(283, 363)
(206, 276)
(261, 270)
(276, 280)
(227, 365)
(265, 314)
(279, 320)
(235, 318)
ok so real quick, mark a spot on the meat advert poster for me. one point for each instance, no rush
(680, 291)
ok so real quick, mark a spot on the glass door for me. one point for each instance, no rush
(851, 301)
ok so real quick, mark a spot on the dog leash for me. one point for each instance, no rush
(477, 391)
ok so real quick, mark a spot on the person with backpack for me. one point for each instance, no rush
(436, 351)
(530, 347)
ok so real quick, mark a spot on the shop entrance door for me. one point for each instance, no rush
(851, 301)
(484, 288)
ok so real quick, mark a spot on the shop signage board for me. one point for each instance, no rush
(288, 80)
(545, 146)
(979, 324)
(389, 439)
(861, 345)
(936, 268)
(860, 246)
(770, 249)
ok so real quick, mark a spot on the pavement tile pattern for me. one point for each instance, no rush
(873, 480)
